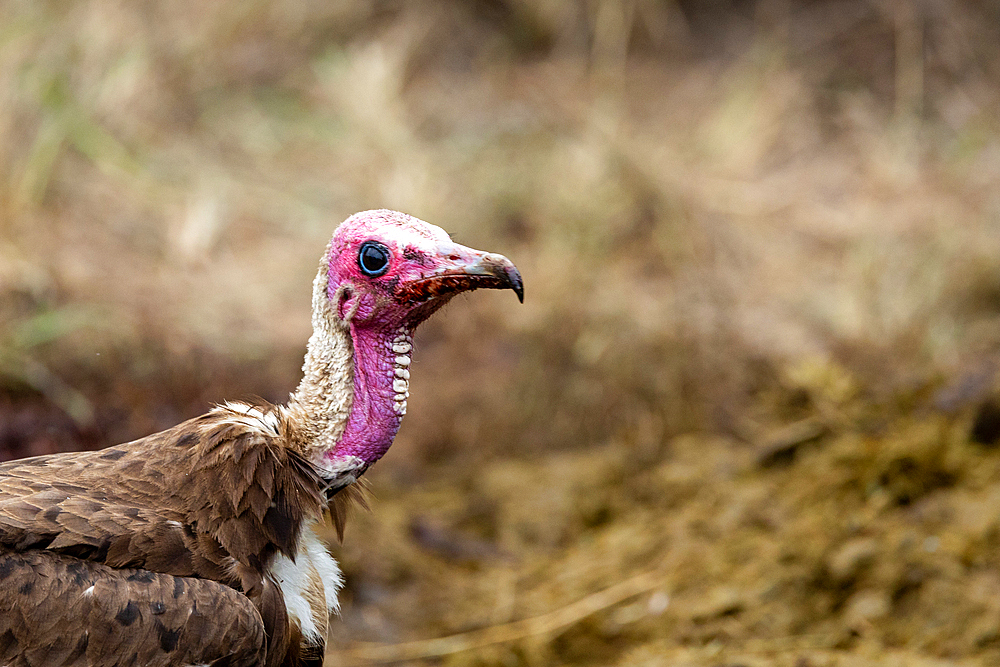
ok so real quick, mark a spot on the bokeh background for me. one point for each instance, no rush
(748, 413)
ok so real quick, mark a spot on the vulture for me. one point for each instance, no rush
(198, 545)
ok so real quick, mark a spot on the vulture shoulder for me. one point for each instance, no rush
(213, 495)
(212, 503)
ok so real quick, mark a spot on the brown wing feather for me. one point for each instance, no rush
(340, 504)
(214, 498)
(59, 610)
(196, 499)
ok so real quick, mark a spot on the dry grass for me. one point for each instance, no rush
(761, 253)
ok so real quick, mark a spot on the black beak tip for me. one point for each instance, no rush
(516, 284)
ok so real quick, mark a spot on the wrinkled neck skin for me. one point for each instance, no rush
(381, 387)
(352, 397)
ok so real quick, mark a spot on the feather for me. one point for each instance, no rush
(121, 511)
(76, 612)
(341, 502)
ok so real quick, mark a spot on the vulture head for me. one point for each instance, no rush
(383, 274)
(389, 270)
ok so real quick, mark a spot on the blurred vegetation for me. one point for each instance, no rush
(749, 412)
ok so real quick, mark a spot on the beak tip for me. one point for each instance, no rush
(516, 283)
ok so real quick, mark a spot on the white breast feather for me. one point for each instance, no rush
(311, 562)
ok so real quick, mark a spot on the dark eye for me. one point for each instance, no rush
(373, 258)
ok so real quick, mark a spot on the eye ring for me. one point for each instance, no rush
(373, 259)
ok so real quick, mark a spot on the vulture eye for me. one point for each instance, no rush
(373, 258)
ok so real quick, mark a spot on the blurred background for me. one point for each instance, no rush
(748, 413)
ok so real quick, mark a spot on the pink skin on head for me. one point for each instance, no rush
(425, 269)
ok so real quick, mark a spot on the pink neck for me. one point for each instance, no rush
(379, 393)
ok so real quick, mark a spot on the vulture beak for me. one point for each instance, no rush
(463, 269)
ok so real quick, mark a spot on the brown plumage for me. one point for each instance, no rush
(195, 545)
(134, 617)
(211, 499)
